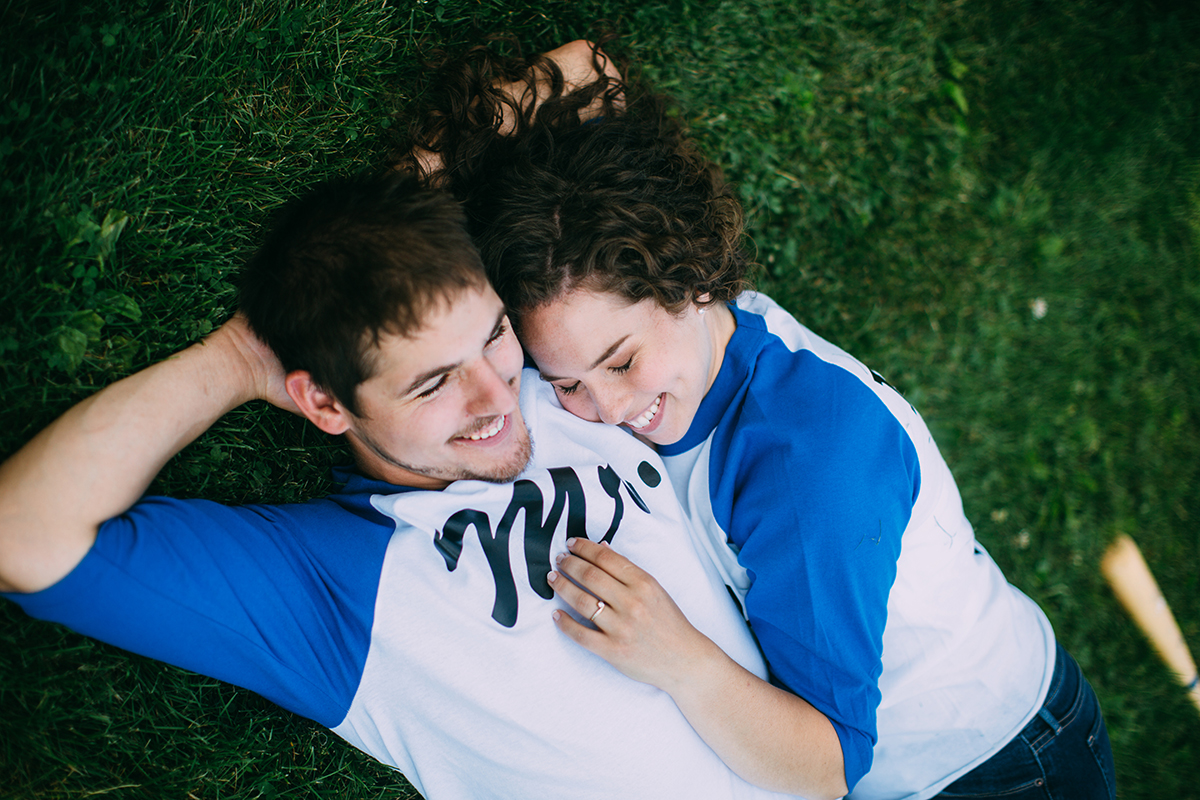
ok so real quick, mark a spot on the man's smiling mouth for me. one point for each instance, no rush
(490, 431)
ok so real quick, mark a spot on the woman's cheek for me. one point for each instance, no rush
(580, 405)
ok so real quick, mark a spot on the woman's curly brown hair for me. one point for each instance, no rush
(620, 203)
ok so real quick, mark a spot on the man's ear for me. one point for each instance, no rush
(319, 406)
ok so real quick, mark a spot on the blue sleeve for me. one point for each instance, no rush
(277, 599)
(819, 484)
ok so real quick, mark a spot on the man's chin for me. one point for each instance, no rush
(514, 465)
(501, 464)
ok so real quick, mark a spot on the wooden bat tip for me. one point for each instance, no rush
(1123, 552)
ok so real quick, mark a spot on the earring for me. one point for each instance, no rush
(702, 309)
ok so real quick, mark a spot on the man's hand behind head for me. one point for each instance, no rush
(260, 361)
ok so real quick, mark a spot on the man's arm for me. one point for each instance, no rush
(96, 460)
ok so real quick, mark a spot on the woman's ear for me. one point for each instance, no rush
(319, 406)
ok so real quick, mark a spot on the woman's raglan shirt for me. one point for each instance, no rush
(417, 625)
(822, 497)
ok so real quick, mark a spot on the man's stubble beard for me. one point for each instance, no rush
(503, 472)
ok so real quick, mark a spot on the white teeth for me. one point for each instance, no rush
(647, 415)
(490, 432)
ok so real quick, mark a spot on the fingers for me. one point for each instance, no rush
(583, 635)
(592, 576)
(589, 578)
(584, 603)
(591, 573)
(639, 629)
(605, 558)
(578, 61)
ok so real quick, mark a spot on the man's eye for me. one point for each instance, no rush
(435, 388)
(623, 368)
(567, 389)
(501, 329)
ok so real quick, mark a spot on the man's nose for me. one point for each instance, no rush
(490, 393)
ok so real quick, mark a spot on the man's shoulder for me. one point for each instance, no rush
(276, 598)
(354, 492)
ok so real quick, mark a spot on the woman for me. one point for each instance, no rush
(912, 666)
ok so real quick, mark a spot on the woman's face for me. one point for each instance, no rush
(631, 364)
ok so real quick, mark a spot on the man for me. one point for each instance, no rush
(409, 612)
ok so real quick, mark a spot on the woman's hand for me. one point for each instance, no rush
(770, 737)
(580, 63)
(639, 629)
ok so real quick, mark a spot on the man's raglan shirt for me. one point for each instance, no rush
(417, 625)
(821, 495)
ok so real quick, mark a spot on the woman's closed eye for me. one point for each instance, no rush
(570, 389)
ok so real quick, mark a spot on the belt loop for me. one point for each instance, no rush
(1049, 719)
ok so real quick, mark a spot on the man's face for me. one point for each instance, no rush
(442, 403)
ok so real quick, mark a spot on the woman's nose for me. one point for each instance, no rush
(612, 406)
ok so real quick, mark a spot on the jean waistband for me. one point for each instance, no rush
(1060, 698)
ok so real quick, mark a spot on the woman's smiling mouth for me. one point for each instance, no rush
(647, 416)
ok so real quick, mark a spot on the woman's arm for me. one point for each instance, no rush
(768, 736)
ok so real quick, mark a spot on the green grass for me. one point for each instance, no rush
(918, 177)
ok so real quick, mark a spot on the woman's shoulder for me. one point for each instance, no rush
(809, 406)
(789, 366)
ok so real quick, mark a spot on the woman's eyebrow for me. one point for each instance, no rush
(603, 357)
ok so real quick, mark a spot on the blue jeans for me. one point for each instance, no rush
(1062, 754)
